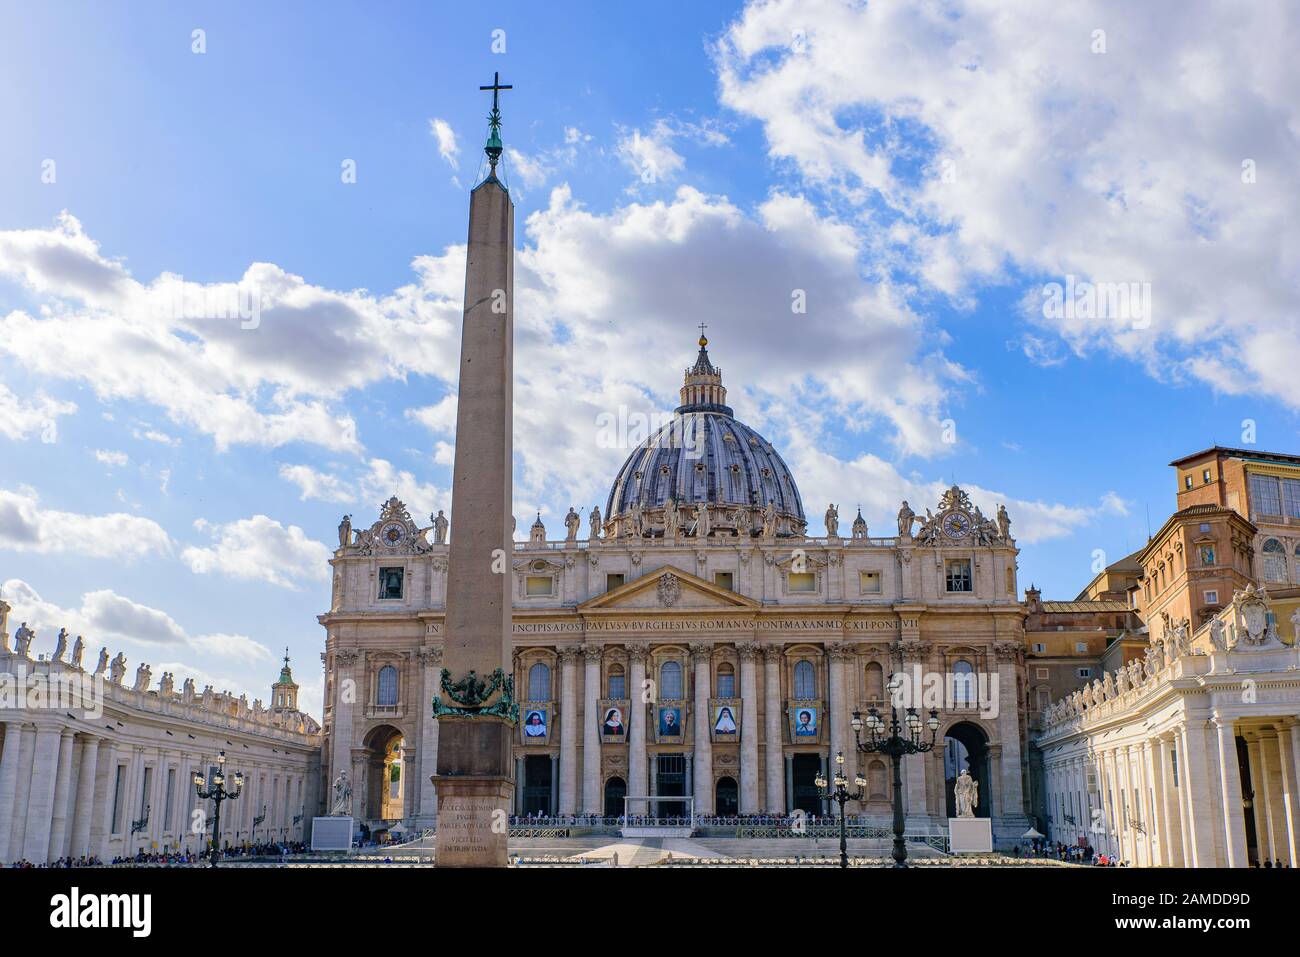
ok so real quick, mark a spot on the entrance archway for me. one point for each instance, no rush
(670, 781)
(966, 746)
(537, 785)
(615, 792)
(384, 771)
(726, 797)
(804, 769)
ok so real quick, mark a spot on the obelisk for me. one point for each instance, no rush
(475, 706)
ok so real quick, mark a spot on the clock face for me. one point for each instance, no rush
(393, 534)
(956, 524)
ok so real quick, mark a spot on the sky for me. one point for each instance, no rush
(1039, 250)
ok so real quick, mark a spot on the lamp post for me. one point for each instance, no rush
(841, 795)
(896, 738)
(215, 790)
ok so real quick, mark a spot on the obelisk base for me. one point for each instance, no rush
(473, 802)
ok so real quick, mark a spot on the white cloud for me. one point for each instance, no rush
(105, 617)
(379, 480)
(26, 526)
(650, 156)
(532, 170)
(111, 458)
(20, 418)
(1041, 159)
(446, 138)
(260, 548)
(315, 484)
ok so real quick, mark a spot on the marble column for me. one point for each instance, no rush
(1009, 654)
(637, 783)
(568, 730)
(789, 784)
(346, 692)
(8, 784)
(40, 802)
(838, 706)
(1146, 801)
(101, 822)
(1171, 852)
(1234, 821)
(1290, 811)
(62, 788)
(22, 791)
(1265, 839)
(772, 733)
(431, 662)
(591, 730)
(410, 768)
(701, 657)
(749, 652)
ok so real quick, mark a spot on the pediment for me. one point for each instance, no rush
(668, 589)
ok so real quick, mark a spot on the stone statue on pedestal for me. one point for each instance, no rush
(769, 520)
(78, 650)
(571, 523)
(439, 528)
(341, 806)
(103, 662)
(5, 608)
(905, 519)
(345, 531)
(1004, 524)
(117, 670)
(594, 519)
(670, 520)
(702, 521)
(23, 641)
(60, 645)
(966, 792)
(832, 521)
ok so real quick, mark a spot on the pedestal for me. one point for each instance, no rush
(970, 835)
(332, 833)
(475, 790)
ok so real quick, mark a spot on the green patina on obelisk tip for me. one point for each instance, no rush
(475, 710)
(493, 147)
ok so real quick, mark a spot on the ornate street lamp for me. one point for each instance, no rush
(215, 790)
(841, 795)
(896, 738)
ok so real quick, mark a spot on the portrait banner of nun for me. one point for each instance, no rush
(534, 726)
(613, 726)
(725, 725)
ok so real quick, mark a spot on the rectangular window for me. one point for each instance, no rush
(869, 583)
(1205, 477)
(167, 799)
(1040, 648)
(390, 582)
(958, 575)
(1291, 497)
(1207, 554)
(1044, 698)
(1187, 480)
(1081, 647)
(613, 581)
(724, 580)
(616, 686)
(1085, 672)
(727, 685)
(118, 783)
(1265, 495)
(802, 582)
(1041, 672)
(539, 585)
(1211, 597)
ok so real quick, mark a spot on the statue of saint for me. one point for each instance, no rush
(832, 521)
(117, 670)
(670, 520)
(187, 691)
(60, 644)
(439, 528)
(636, 518)
(769, 519)
(966, 791)
(5, 609)
(345, 531)
(23, 638)
(142, 676)
(905, 519)
(103, 662)
(78, 649)
(1004, 524)
(341, 805)
(702, 521)
(594, 519)
(571, 523)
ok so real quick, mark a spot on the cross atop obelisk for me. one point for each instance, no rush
(493, 147)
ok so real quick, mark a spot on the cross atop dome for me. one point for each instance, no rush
(702, 388)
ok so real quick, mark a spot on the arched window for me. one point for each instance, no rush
(875, 681)
(963, 684)
(387, 696)
(1274, 561)
(670, 680)
(539, 682)
(805, 680)
(726, 681)
(617, 682)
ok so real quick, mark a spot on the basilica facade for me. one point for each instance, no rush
(698, 649)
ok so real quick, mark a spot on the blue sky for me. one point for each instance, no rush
(171, 484)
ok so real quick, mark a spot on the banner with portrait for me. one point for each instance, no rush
(670, 721)
(805, 722)
(724, 720)
(613, 715)
(535, 722)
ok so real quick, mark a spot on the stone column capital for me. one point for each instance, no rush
(593, 651)
(701, 651)
(568, 654)
(748, 650)
(637, 650)
(773, 654)
(839, 650)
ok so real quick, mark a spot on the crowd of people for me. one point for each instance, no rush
(177, 858)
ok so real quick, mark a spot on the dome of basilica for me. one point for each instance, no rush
(704, 457)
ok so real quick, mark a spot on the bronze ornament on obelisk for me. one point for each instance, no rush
(476, 709)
